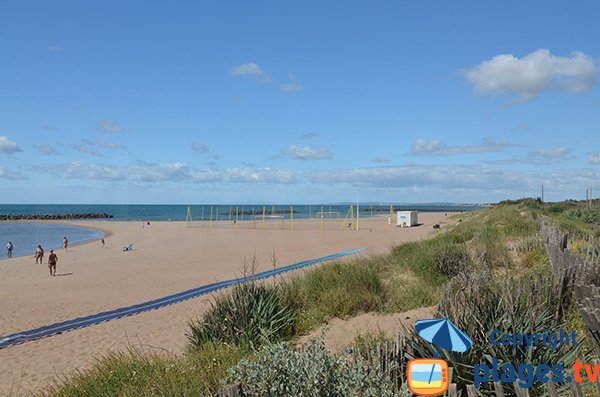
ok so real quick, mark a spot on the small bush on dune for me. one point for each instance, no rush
(434, 260)
(452, 259)
(252, 314)
(336, 290)
(279, 371)
(584, 215)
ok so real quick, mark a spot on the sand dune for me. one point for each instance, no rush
(167, 258)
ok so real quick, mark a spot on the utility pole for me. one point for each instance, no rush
(542, 192)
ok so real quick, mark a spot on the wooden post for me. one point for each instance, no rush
(498, 389)
(575, 388)
(263, 218)
(253, 218)
(551, 388)
(236, 216)
(596, 362)
(452, 390)
(521, 392)
(292, 218)
(229, 391)
(471, 391)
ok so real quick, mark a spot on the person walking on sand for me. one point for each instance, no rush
(9, 250)
(52, 259)
(39, 255)
(65, 244)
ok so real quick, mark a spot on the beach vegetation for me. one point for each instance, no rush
(139, 373)
(336, 290)
(250, 314)
(481, 303)
(278, 370)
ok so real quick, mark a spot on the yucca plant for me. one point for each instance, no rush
(251, 314)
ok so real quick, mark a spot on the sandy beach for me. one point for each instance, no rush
(167, 258)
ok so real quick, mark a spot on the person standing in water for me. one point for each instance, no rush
(9, 249)
(65, 244)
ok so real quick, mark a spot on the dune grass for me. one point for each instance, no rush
(137, 373)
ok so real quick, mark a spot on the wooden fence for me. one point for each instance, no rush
(576, 259)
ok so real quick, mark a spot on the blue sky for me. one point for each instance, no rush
(306, 102)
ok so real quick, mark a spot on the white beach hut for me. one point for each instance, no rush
(407, 218)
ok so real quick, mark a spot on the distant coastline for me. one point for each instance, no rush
(51, 217)
(179, 212)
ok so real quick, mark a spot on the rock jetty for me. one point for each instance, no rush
(51, 217)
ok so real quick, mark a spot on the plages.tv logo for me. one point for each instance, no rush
(429, 376)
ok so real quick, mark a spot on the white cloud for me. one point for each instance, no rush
(291, 87)
(80, 170)
(308, 153)
(452, 180)
(533, 74)
(46, 150)
(7, 146)
(521, 127)
(593, 157)
(103, 144)
(202, 149)
(168, 172)
(250, 70)
(83, 148)
(5, 173)
(380, 160)
(439, 148)
(110, 127)
(550, 153)
(309, 136)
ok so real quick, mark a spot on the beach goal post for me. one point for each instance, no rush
(188, 218)
(270, 221)
(328, 217)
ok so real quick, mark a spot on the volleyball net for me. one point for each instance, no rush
(274, 218)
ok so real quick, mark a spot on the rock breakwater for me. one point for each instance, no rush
(51, 217)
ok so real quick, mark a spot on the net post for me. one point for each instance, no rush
(321, 217)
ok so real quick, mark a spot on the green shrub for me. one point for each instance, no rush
(452, 259)
(279, 371)
(251, 314)
(335, 290)
(135, 374)
(584, 215)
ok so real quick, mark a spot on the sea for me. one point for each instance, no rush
(25, 236)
